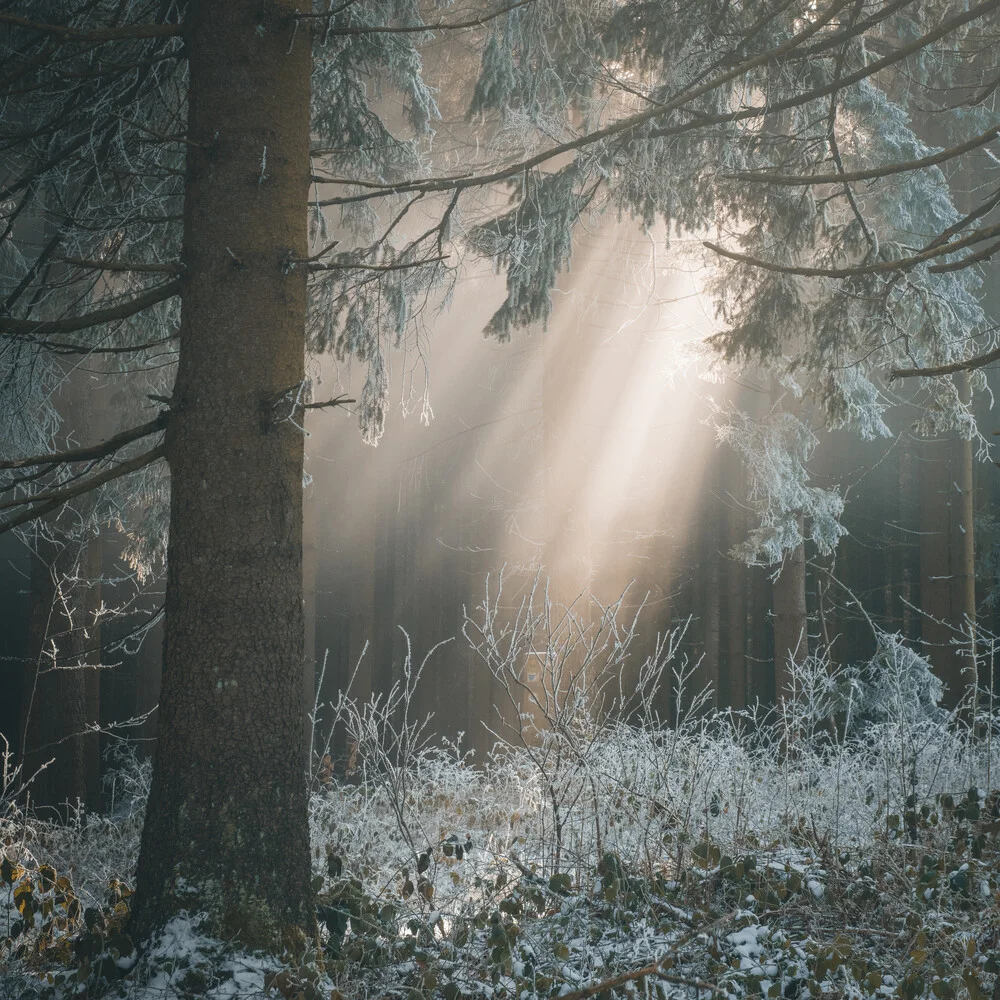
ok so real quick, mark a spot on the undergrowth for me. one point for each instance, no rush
(845, 845)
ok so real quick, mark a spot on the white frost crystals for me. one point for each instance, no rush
(774, 450)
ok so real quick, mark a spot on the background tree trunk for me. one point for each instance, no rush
(963, 546)
(226, 827)
(791, 634)
(737, 584)
(947, 557)
(710, 673)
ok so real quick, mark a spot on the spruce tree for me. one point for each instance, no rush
(232, 183)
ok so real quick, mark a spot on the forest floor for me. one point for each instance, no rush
(810, 853)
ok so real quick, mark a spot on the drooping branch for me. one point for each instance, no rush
(459, 182)
(804, 180)
(93, 452)
(969, 365)
(973, 258)
(878, 267)
(45, 503)
(71, 324)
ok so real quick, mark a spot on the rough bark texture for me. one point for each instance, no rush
(226, 826)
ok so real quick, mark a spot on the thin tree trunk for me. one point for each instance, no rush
(710, 674)
(226, 829)
(947, 556)
(963, 553)
(791, 638)
(309, 580)
(737, 583)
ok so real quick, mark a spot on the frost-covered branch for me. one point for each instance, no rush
(873, 173)
(94, 452)
(71, 324)
(41, 504)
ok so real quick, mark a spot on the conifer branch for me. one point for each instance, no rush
(45, 503)
(68, 349)
(878, 267)
(93, 35)
(969, 365)
(71, 324)
(631, 123)
(803, 180)
(93, 452)
(119, 265)
(402, 266)
(409, 29)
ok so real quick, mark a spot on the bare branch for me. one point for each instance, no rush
(340, 400)
(654, 969)
(964, 262)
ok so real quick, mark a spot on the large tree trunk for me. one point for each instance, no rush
(226, 825)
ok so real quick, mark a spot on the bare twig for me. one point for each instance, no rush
(341, 400)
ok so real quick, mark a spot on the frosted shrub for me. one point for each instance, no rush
(599, 845)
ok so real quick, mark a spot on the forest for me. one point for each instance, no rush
(498, 499)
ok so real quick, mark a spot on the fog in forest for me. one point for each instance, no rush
(584, 458)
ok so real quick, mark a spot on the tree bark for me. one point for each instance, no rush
(226, 829)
